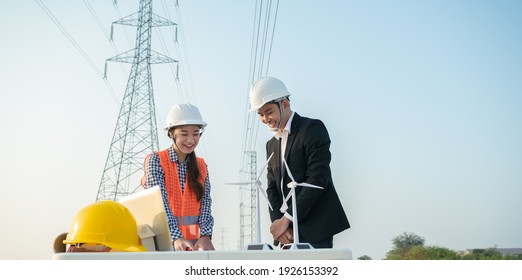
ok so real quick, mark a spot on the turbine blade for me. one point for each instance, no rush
(264, 167)
(240, 183)
(309, 185)
(288, 197)
(266, 198)
(284, 206)
(288, 170)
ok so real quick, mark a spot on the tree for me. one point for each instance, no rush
(406, 240)
(431, 253)
(409, 246)
(402, 245)
(364, 257)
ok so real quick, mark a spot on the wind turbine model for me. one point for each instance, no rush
(292, 185)
(258, 245)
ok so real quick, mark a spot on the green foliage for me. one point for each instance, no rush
(393, 255)
(513, 257)
(432, 253)
(402, 245)
(421, 252)
(406, 241)
(483, 254)
(441, 253)
(409, 246)
(364, 257)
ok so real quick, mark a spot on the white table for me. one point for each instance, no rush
(277, 254)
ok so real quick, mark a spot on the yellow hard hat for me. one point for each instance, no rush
(108, 223)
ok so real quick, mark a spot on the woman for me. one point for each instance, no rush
(183, 180)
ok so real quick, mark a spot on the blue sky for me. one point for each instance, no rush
(421, 98)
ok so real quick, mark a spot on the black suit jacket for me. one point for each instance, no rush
(320, 213)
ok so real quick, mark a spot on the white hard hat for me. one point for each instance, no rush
(183, 114)
(265, 90)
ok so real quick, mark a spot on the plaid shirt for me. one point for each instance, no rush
(156, 177)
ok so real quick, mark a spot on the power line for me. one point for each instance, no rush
(263, 28)
(77, 46)
(107, 35)
(118, 12)
(184, 53)
(272, 39)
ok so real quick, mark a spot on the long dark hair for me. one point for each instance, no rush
(194, 175)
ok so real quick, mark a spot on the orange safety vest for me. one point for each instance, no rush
(184, 204)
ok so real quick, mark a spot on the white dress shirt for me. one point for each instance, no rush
(283, 135)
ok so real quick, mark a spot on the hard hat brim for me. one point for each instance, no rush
(271, 99)
(181, 123)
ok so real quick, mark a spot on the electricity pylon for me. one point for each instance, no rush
(135, 135)
(251, 191)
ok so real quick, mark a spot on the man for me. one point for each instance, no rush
(305, 145)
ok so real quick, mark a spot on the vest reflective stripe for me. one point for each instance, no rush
(188, 220)
(184, 205)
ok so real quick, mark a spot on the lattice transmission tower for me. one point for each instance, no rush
(135, 135)
(247, 222)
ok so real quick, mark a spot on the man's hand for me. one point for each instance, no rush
(287, 237)
(279, 227)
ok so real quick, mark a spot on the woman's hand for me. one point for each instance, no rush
(204, 244)
(182, 244)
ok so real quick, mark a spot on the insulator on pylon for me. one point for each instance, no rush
(112, 30)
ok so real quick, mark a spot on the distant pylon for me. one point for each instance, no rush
(251, 192)
(135, 134)
(253, 196)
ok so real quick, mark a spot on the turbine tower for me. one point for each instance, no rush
(135, 135)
